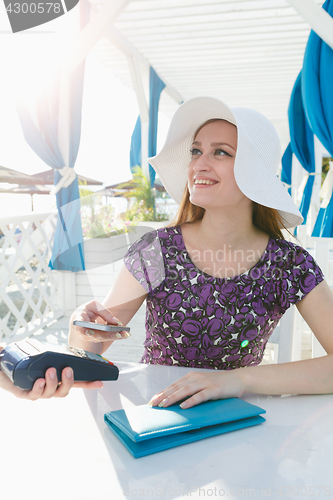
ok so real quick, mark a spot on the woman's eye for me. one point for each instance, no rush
(195, 151)
(221, 152)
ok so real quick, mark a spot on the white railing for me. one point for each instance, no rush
(29, 289)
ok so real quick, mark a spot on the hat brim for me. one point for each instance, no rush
(255, 165)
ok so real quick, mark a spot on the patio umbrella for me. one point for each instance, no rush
(47, 177)
(36, 183)
(317, 83)
(11, 176)
(122, 187)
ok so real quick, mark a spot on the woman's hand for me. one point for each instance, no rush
(201, 386)
(95, 312)
(48, 387)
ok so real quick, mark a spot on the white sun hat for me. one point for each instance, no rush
(256, 162)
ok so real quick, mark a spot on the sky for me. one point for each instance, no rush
(109, 110)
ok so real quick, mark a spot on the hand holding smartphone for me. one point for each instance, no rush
(99, 326)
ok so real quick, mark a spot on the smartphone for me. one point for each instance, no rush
(98, 326)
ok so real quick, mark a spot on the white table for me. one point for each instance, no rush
(61, 448)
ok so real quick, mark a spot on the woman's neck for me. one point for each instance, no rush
(215, 230)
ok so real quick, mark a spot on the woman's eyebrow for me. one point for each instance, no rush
(214, 144)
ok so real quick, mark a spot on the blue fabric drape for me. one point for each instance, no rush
(286, 172)
(156, 85)
(40, 128)
(301, 140)
(317, 78)
(41, 133)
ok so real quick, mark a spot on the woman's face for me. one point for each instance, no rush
(211, 179)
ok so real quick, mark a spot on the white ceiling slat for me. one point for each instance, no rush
(232, 20)
(252, 83)
(238, 64)
(258, 76)
(225, 51)
(157, 5)
(226, 11)
(245, 52)
(251, 32)
(160, 4)
(229, 69)
(226, 56)
(189, 19)
(274, 43)
(285, 25)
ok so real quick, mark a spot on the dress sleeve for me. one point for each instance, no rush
(144, 260)
(301, 275)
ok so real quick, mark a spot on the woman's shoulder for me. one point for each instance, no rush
(289, 251)
(145, 239)
(286, 246)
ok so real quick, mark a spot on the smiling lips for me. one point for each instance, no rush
(204, 182)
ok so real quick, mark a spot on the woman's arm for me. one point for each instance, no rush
(119, 306)
(313, 376)
(123, 300)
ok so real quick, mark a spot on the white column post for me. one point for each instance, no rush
(321, 254)
(315, 200)
(144, 148)
(135, 58)
(298, 184)
(144, 111)
(298, 173)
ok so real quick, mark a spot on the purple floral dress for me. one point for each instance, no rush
(196, 320)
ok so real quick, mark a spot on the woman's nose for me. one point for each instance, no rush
(202, 163)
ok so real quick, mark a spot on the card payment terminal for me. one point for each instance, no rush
(26, 361)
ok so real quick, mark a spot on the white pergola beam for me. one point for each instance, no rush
(92, 32)
(76, 54)
(138, 88)
(319, 20)
(135, 58)
(125, 46)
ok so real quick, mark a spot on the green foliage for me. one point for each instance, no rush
(141, 199)
(99, 220)
(325, 168)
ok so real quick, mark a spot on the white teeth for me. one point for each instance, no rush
(203, 181)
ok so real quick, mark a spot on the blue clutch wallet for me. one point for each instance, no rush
(144, 430)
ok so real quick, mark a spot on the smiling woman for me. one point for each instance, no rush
(211, 180)
(217, 281)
